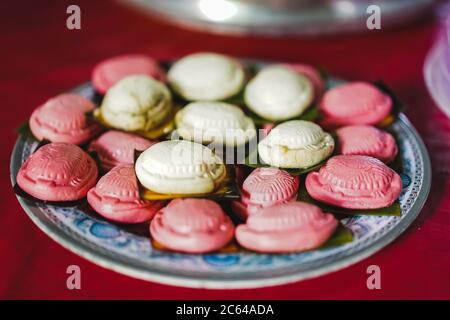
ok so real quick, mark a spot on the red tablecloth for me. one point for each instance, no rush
(40, 58)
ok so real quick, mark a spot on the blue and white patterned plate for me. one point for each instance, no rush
(117, 248)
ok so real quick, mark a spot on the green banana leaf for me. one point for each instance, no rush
(393, 210)
(341, 236)
(25, 131)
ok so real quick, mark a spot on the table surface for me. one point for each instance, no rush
(40, 57)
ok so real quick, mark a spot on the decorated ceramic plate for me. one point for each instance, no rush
(128, 250)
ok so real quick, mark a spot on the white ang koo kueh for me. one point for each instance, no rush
(296, 144)
(179, 167)
(278, 93)
(136, 102)
(206, 77)
(214, 122)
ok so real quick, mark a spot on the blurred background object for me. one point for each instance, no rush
(437, 64)
(283, 17)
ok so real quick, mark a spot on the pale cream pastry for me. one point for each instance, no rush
(217, 122)
(206, 76)
(180, 167)
(278, 93)
(296, 144)
(136, 103)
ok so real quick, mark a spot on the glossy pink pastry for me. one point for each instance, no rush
(354, 103)
(117, 147)
(290, 227)
(265, 187)
(355, 182)
(192, 225)
(110, 71)
(63, 119)
(116, 197)
(367, 141)
(312, 74)
(58, 172)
